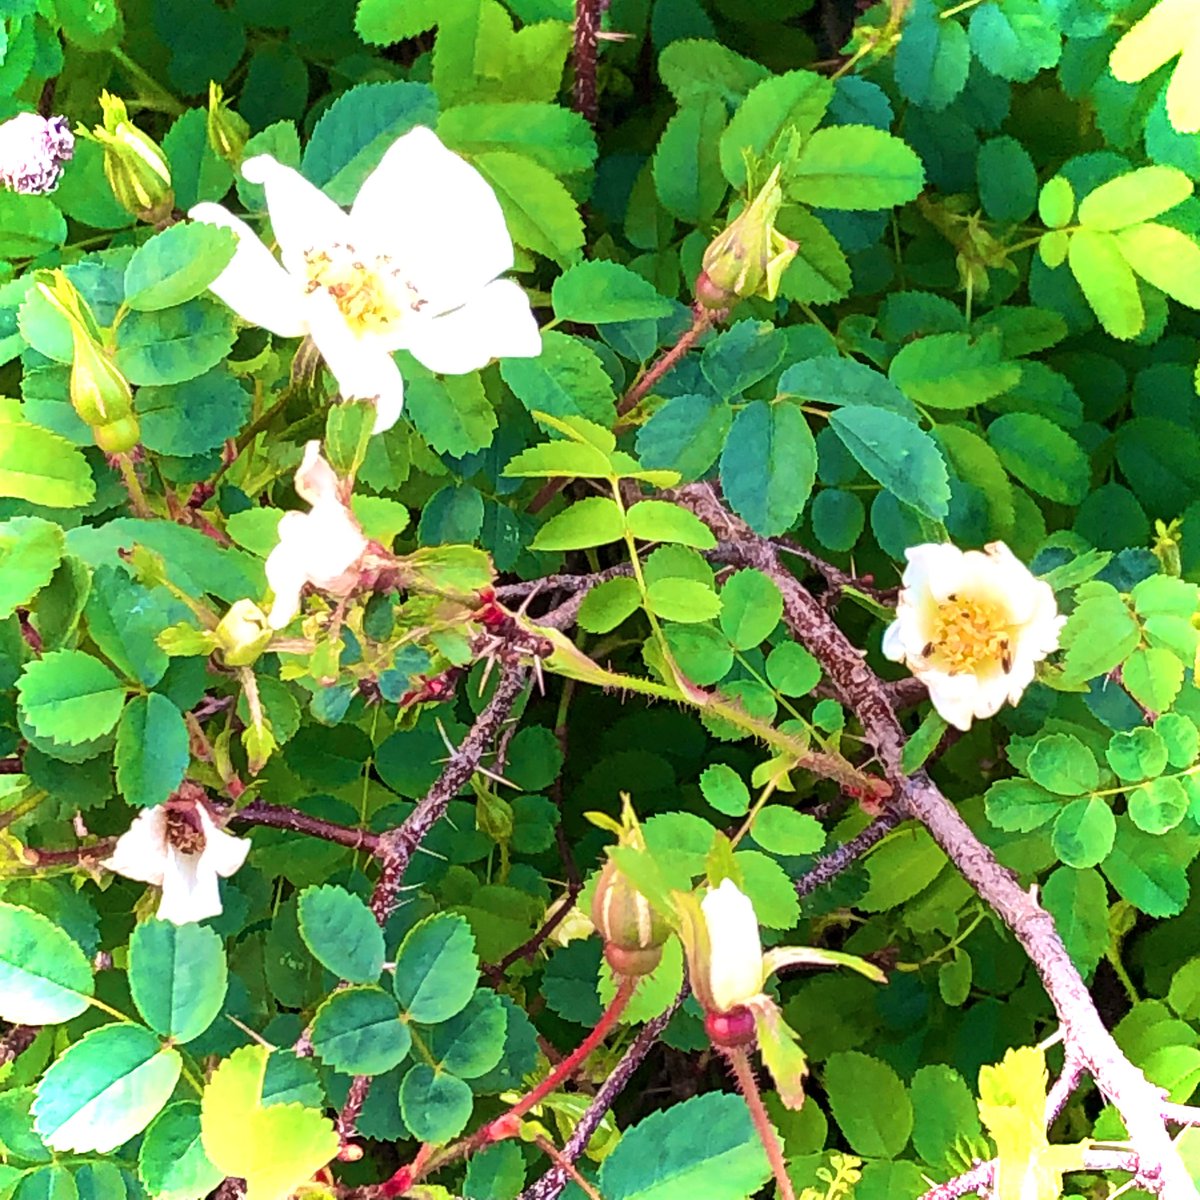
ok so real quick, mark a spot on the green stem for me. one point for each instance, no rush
(137, 498)
(142, 76)
(739, 1061)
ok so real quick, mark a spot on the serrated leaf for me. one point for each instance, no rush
(436, 968)
(933, 58)
(608, 604)
(171, 1162)
(41, 467)
(44, 976)
(177, 264)
(566, 380)
(1078, 902)
(1134, 197)
(662, 521)
(70, 696)
(540, 212)
(1171, 27)
(1158, 806)
(596, 292)
(687, 164)
(358, 1031)
(105, 1088)
(554, 137)
(593, 521)
(178, 977)
(30, 551)
(153, 750)
(436, 1106)
(870, 1102)
(1083, 832)
(953, 371)
(854, 167)
(1045, 458)
(1107, 282)
(769, 465)
(1164, 257)
(751, 607)
(340, 931)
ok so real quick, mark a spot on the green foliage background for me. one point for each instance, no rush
(989, 333)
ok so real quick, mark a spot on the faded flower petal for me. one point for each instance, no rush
(141, 851)
(736, 959)
(972, 626)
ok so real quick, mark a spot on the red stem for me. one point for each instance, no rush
(701, 320)
(739, 1060)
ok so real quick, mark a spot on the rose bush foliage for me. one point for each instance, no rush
(406, 408)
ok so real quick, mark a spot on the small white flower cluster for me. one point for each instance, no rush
(972, 626)
(33, 153)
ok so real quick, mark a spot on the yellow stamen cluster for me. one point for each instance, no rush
(966, 634)
(358, 288)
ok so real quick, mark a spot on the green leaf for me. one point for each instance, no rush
(1062, 764)
(540, 212)
(30, 551)
(820, 272)
(870, 1104)
(725, 790)
(751, 607)
(685, 434)
(177, 265)
(1019, 806)
(496, 1173)
(70, 696)
(1078, 902)
(793, 102)
(174, 344)
(1107, 282)
(923, 742)
(1056, 202)
(593, 521)
(41, 467)
(105, 1088)
(436, 969)
(768, 466)
(596, 292)
(854, 167)
(741, 356)
(1158, 806)
(1015, 39)
(29, 225)
(555, 137)
(897, 453)
(1164, 257)
(933, 58)
(948, 1114)
(1133, 197)
(791, 670)
(953, 371)
(781, 830)
(687, 162)
(358, 1030)
(153, 750)
(124, 619)
(1153, 677)
(1008, 185)
(703, 1146)
(1099, 634)
(1045, 458)
(1168, 29)
(342, 934)
(977, 463)
(44, 976)
(380, 22)
(276, 1148)
(178, 977)
(436, 1107)
(471, 1042)
(1180, 737)
(1083, 832)
(843, 381)
(566, 380)
(683, 600)
(1141, 753)
(608, 604)
(694, 67)
(197, 415)
(357, 129)
(452, 414)
(1145, 872)
(662, 521)
(171, 1162)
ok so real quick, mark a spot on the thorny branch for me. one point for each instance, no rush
(1160, 1170)
(981, 1177)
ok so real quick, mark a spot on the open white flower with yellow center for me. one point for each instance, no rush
(320, 546)
(972, 626)
(177, 846)
(414, 265)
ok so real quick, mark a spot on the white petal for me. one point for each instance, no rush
(315, 479)
(254, 285)
(437, 217)
(286, 570)
(936, 569)
(334, 542)
(363, 367)
(222, 852)
(302, 216)
(954, 696)
(141, 852)
(496, 323)
(736, 957)
(893, 642)
(190, 890)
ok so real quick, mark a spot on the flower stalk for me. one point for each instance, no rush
(743, 1072)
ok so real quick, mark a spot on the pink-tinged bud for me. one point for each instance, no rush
(749, 256)
(633, 932)
(731, 1030)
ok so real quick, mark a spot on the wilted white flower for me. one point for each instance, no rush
(318, 547)
(972, 626)
(413, 266)
(177, 846)
(33, 150)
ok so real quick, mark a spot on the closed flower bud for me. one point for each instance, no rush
(633, 932)
(242, 634)
(119, 436)
(228, 133)
(134, 164)
(735, 965)
(749, 256)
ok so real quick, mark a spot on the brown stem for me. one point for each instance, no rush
(279, 816)
(529, 947)
(587, 25)
(831, 865)
(11, 765)
(981, 1177)
(15, 1041)
(743, 1072)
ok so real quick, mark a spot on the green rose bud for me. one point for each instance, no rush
(134, 164)
(242, 634)
(228, 133)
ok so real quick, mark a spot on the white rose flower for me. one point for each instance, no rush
(178, 847)
(413, 266)
(735, 965)
(318, 547)
(972, 626)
